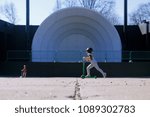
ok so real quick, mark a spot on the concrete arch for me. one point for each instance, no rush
(72, 30)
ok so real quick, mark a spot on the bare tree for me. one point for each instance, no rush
(8, 10)
(88, 3)
(113, 18)
(104, 7)
(58, 5)
(70, 3)
(142, 13)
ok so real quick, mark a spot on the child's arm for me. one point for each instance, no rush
(23, 70)
(88, 58)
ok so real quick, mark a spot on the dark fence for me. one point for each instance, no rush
(46, 69)
(127, 56)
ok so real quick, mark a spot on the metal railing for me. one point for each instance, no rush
(136, 56)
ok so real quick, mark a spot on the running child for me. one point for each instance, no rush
(93, 63)
(24, 71)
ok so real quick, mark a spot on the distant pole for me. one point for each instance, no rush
(147, 30)
(125, 19)
(28, 23)
(147, 33)
(125, 13)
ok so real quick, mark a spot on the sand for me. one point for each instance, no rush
(74, 89)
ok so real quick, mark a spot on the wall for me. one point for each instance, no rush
(13, 69)
(13, 38)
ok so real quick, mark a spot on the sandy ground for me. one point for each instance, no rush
(74, 89)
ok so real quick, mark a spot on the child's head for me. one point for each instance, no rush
(89, 50)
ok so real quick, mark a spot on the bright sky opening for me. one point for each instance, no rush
(41, 9)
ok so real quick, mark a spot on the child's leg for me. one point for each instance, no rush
(100, 70)
(88, 69)
(24, 74)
